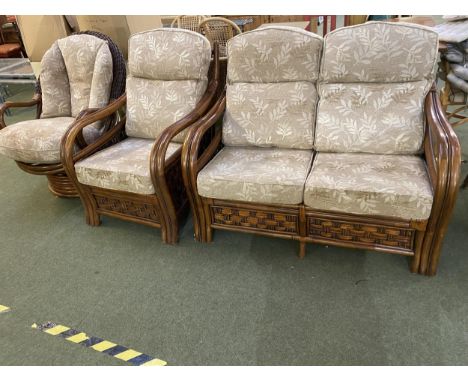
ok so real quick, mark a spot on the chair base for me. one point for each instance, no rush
(61, 186)
(306, 225)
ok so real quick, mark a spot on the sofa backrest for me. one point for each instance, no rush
(76, 74)
(168, 75)
(271, 88)
(373, 81)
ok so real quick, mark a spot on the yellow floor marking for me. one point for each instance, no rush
(127, 354)
(78, 338)
(57, 330)
(104, 345)
(4, 308)
(155, 362)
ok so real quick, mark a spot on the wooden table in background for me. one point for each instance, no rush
(297, 24)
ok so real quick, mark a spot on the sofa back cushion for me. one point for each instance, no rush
(168, 75)
(373, 81)
(76, 74)
(271, 88)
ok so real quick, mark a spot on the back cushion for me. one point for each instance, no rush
(168, 75)
(76, 74)
(271, 94)
(372, 85)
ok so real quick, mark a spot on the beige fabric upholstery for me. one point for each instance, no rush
(168, 75)
(372, 85)
(252, 174)
(271, 94)
(38, 140)
(76, 74)
(124, 166)
(368, 184)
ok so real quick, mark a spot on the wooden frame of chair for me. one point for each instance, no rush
(190, 22)
(168, 205)
(419, 240)
(58, 182)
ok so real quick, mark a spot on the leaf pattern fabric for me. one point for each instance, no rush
(373, 81)
(168, 75)
(253, 174)
(38, 140)
(271, 93)
(124, 166)
(368, 184)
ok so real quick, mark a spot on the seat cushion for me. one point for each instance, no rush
(124, 166)
(252, 174)
(366, 184)
(38, 140)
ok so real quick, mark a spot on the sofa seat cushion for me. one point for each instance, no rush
(366, 184)
(261, 175)
(38, 140)
(124, 166)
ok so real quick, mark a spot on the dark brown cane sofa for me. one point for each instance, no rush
(348, 148)
(80, 74)
(172, 82)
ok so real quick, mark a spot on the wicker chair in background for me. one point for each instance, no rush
(219, 30)
(37, 158)
(139, 179)
(190, 22)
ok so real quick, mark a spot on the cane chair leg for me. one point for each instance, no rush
(302, 249)
(61, 186)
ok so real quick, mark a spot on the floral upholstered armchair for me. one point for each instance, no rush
(347, 148)
(80, 74)
(172, 81)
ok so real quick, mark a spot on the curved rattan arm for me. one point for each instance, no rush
(35, 101)
(443, 158)
(70, 139)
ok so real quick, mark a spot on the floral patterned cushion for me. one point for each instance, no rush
(38, 140)
(76, 74)
(271, 93)
(372, 85)
(124, 166)
(250, 174)
(168, 75)
(369, 184)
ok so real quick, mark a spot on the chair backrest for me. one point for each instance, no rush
(219, 30)
(168, 75)
(373, 81)
(77, 73)
(271, 88)
(190, 22)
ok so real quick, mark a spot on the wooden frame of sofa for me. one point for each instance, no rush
(168, 204)
(420, 240)
(58, 182)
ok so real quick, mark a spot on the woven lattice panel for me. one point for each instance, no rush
(367, 234)
(128, 207)
(260, 220)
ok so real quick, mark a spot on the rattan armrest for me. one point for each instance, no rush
(35, 101)
(71, 137)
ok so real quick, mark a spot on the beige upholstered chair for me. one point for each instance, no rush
(139, 179)
(80, 73)
(219, 30)
(373, 165)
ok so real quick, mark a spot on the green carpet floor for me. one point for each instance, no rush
(242, 300)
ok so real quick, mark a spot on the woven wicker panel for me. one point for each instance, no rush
(128, 207)
(363, 234)
(254, 219)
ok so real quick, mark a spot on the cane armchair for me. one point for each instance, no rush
(219, 30)
(80, 74)
(189, 22)
(378, 169)
(171, 83)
